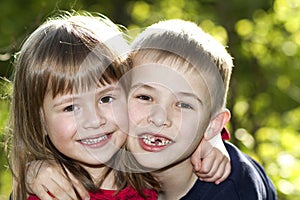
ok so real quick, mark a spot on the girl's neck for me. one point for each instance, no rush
(97, 173)
(176, 180)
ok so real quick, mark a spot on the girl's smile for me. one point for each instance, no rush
(90, 126)
(96, 141)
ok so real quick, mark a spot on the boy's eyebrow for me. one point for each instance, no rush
(149, 87)
(142, 85)
(192, 95)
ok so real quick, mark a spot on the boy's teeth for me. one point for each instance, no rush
(155, 141)
(94, 140)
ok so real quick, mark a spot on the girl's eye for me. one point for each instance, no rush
(71, 108)
(144, 98)
(107, 99)
(184, 105)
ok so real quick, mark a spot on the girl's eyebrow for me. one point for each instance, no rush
(66, 99)
(97, 91)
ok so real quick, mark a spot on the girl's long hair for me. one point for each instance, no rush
(63, 55)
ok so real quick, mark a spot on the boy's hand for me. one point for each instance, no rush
(211, 160)
(46, 180)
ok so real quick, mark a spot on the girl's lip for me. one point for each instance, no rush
(96, 141)
(154, 142)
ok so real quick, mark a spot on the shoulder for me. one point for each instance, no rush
(207, 190)
(248, 176)
(247, 181)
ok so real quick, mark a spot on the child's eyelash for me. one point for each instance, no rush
(184, 105)
(144, 97)
(70, 108)
(106, 99)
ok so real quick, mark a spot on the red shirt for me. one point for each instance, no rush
(225, 134)
(125, 194)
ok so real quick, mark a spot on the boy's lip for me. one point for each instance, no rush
(154, 142)
(96, 140)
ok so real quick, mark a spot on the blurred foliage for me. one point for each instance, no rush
(262, 36)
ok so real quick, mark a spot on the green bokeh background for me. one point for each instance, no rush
(263, 36)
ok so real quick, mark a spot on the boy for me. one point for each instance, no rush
(179, 84)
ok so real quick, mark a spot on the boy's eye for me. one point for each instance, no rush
(71, 108)
(106, 99)
(184, 105)
(144, 97)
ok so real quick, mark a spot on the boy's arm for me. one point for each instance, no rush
(211, 160)
(46, 180)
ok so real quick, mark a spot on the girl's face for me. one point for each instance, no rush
(89, 127)
(169, 112)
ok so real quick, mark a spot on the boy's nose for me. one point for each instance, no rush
(159, 117)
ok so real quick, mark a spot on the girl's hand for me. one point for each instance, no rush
(211, 160)
(46, 180)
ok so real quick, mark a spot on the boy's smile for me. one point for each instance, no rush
(167, 111)
(154, 142)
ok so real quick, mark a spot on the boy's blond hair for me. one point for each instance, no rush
(184, 45)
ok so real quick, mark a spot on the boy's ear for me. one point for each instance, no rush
(217, 124)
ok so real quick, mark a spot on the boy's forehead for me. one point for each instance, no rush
(180, 81)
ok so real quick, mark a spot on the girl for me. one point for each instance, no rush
(68, 106)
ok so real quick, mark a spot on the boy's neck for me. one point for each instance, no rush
(177, 180)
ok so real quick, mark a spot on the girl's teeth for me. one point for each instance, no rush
(155, 141)
(94, 140)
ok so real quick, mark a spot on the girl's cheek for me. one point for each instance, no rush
(121, 115)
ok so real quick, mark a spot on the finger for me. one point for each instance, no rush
(78, 186)
(56, 185)
(196, 159)
(42, 193)
(208, 166)
(60, 194)
(225, 174)
(217, 175)
(62, 185)
(221, 173)
(62, 189)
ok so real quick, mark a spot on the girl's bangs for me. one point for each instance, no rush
(71, 65)
(79, 75)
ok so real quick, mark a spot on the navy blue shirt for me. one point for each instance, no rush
(247, 181)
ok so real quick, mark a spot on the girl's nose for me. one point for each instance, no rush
(92, 118)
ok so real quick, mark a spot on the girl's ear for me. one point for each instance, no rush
(217, 124)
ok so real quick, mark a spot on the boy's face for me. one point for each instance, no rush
(89, 126)
(169, 111)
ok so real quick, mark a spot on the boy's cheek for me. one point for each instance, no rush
(136, 114)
